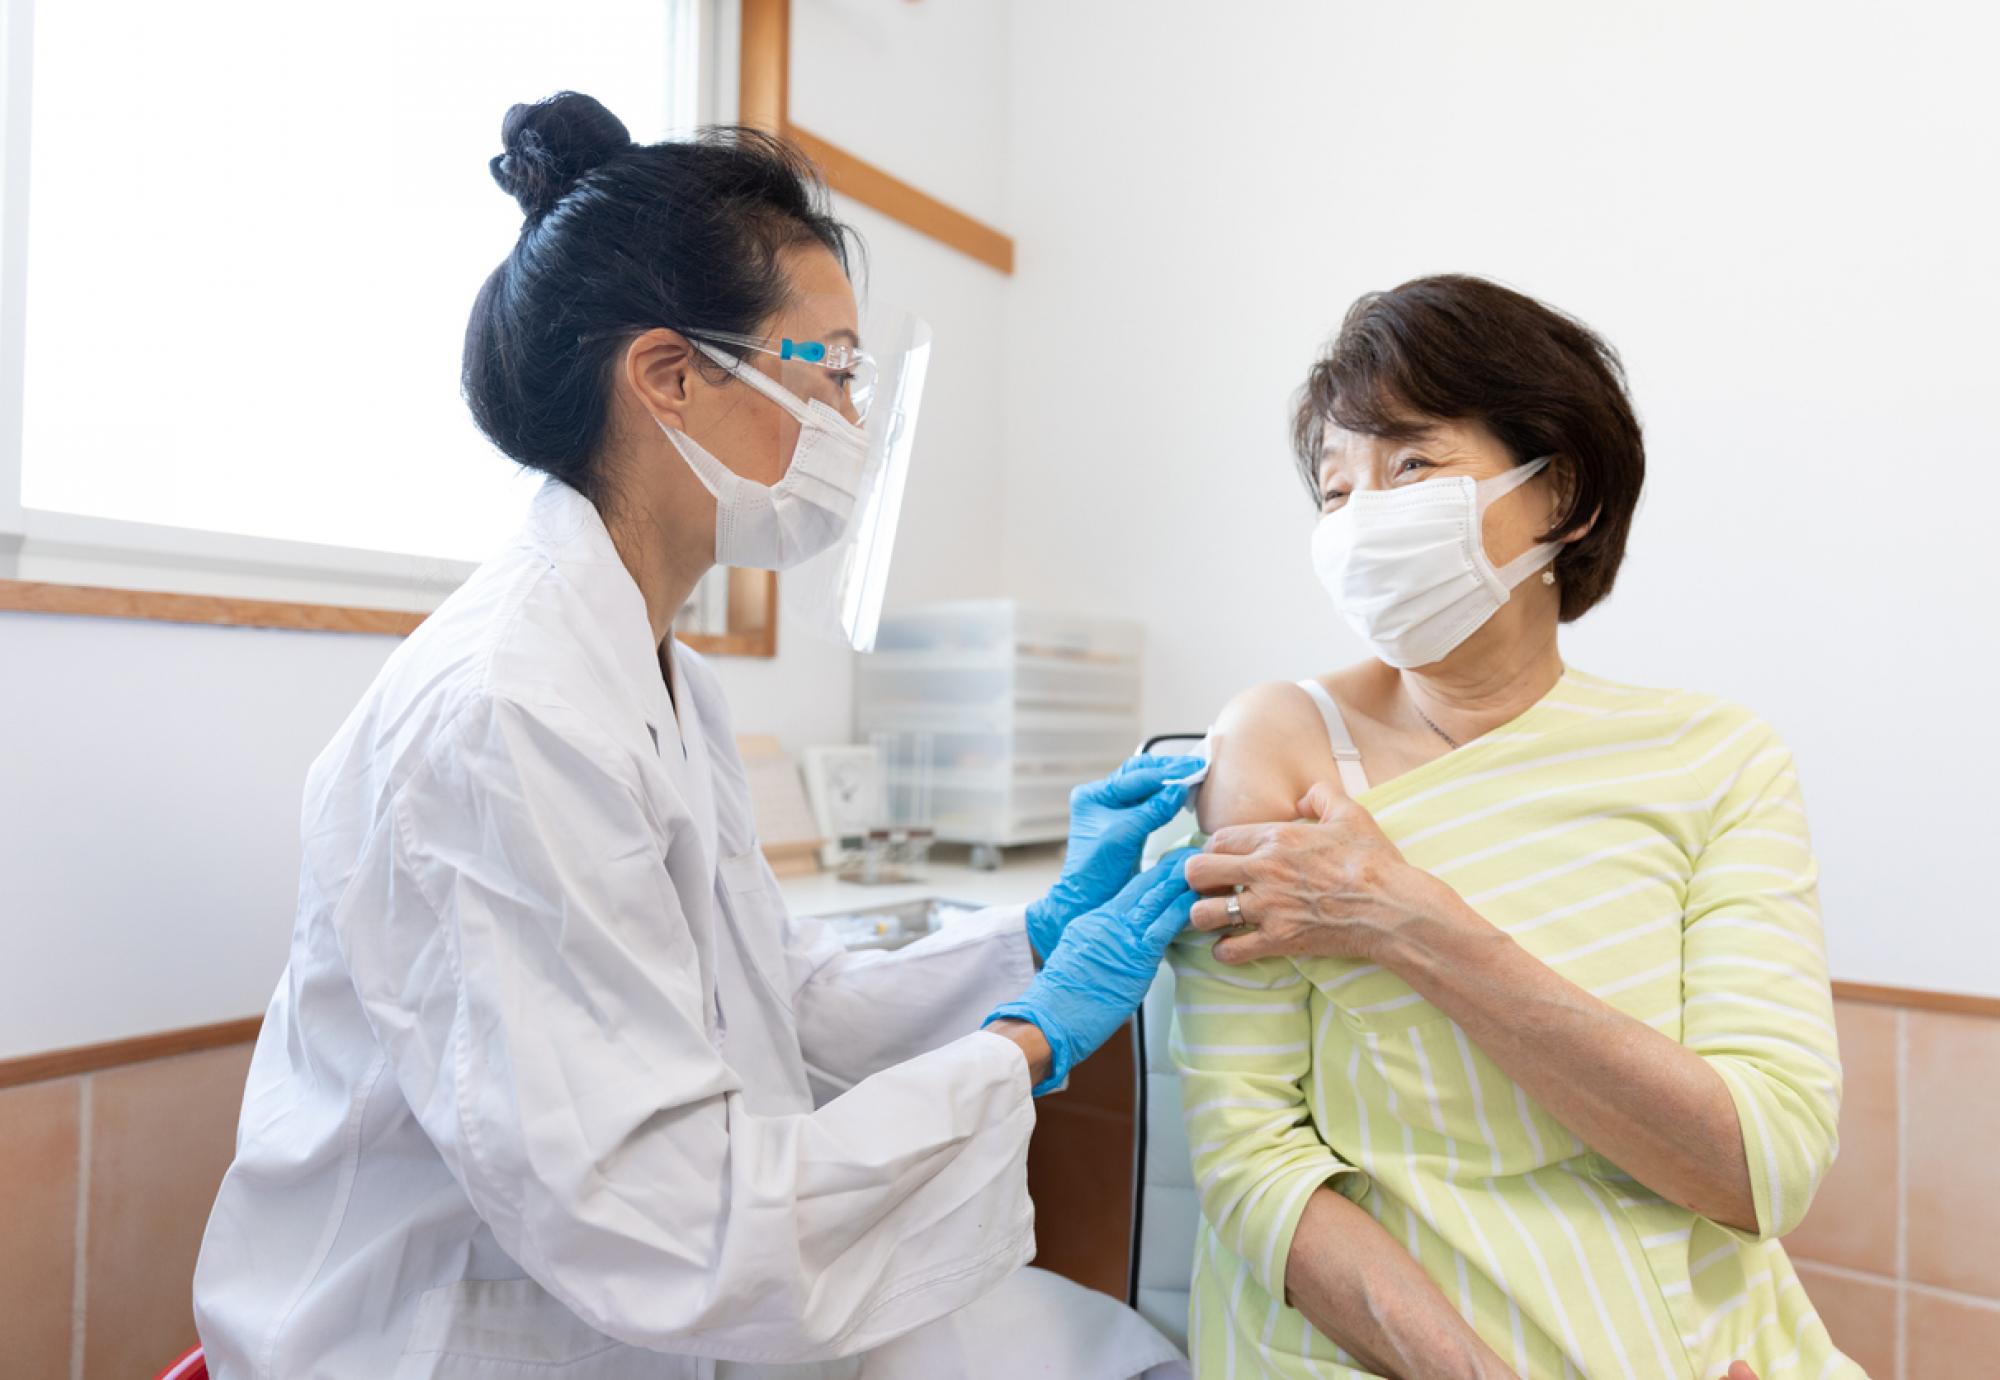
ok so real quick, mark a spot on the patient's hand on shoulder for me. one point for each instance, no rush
(1267, 749)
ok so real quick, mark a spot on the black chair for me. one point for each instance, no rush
(1165, 1207)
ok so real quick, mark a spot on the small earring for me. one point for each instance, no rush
(1548, 577)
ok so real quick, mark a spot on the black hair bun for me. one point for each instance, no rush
(551, 144)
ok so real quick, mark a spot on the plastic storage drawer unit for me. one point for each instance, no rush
(1020, 704)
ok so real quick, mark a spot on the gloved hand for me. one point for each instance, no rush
(1099, 972)
(1109, 822)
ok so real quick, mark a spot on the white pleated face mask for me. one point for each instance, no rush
(1407, 567)
(777, 526)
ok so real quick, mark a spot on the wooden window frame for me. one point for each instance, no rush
(763, 101)
(752, 631)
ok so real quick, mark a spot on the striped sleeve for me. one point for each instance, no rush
(1243, 1044)
(1756, 1002)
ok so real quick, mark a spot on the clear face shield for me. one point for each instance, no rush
(830, 519)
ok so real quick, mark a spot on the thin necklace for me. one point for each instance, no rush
(1451, 741)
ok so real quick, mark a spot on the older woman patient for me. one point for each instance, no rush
(1515, 1054)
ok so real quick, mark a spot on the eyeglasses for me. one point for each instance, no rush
(854, 370)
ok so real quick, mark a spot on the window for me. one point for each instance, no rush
(250, 237)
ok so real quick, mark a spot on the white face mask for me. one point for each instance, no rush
(777, 526)
(1407, 569)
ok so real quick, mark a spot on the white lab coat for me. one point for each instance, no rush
(552, 1085)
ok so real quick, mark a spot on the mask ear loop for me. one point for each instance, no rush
(1492, 490)
(1535, 557)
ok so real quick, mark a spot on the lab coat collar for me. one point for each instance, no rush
(566, 528)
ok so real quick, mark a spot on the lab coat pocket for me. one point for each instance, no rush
(477, 1328)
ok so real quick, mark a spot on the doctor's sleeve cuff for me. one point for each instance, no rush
(861, 1012)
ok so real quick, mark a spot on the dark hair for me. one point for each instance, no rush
(621, 238)
(1458, 348)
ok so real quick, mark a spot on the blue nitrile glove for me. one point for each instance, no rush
(1103, 965)
(1109, 822)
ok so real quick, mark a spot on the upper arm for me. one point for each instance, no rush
(1243, 1033)
(1757, 1004)
(1267, 749)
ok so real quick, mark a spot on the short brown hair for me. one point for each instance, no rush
(1457, 348)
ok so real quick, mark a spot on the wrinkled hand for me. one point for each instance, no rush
(1330, 884)
(1109, 822)
(1100, 970)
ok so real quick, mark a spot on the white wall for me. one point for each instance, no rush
(919, 90)
(1783, 215)
(149, 816)
(150, 772)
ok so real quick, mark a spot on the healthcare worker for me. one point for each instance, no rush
(552, 1086)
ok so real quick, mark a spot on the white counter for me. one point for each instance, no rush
(1026, 874)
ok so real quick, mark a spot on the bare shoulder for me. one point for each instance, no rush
(1261, 757)
(1361, 689)
(1266, 709)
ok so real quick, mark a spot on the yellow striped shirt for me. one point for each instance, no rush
(1651, 847)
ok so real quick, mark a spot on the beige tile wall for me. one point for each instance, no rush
(39, 1138)
(1901, 1251)
(105, 1185)
(106, 1181)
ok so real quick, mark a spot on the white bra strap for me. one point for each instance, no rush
(1346, 757)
